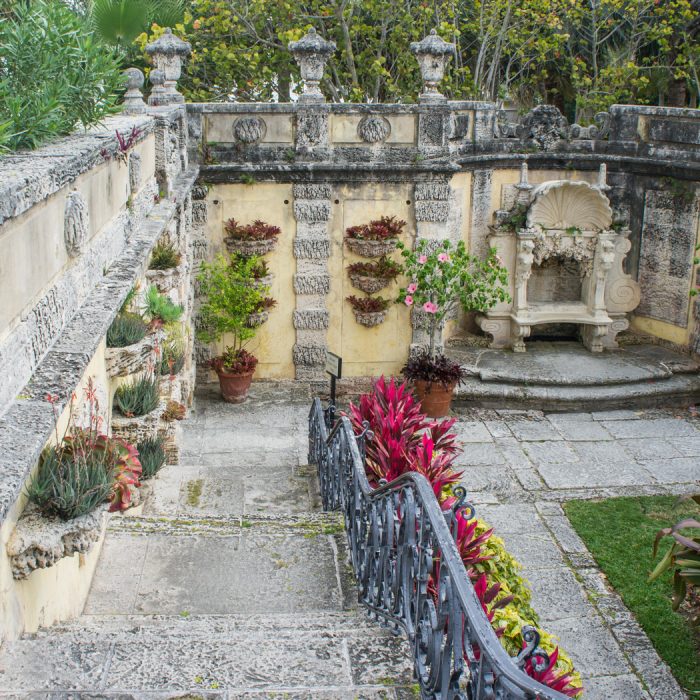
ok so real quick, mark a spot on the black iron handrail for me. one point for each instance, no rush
(396, 534)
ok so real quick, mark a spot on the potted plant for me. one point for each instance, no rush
(229, 299)
(441, 279)
(129, 345)
(378, 237)
(370, 277)
(257, 238)
(369, 311)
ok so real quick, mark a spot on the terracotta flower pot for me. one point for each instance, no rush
(234, 387)
(434, 397)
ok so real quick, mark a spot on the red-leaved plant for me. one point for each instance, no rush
(406, 440)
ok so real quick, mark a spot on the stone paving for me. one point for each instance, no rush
(232, 584)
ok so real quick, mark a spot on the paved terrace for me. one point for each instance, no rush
(233, 584)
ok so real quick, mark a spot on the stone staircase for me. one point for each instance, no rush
(564, 376)
(230, 584)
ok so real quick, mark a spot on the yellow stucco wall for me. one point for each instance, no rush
(272, 203)
(32, 248)
(60, 591)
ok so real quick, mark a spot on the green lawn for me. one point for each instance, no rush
(620, 533)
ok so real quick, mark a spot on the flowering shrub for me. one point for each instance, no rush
(257, 231)
(378, 230)
(368, 305)
(448, 276)
(406, 440)
(85, 467)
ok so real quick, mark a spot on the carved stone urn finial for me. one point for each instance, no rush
(133, 98)
(311, 52)
(432, 54)
(167, 53)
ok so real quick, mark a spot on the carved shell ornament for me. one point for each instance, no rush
(562, 204)
(249, 130)
(373, 128)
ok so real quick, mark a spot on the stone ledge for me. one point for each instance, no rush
(29, 177)
(38, 542)
(27, 424)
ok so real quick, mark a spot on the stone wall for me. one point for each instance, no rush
(78, 220)
(446, 168)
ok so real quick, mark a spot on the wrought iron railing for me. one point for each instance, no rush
(396, 534)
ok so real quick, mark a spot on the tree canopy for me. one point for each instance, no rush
(580, 54)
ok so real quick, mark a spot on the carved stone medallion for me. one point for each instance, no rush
(373, 128)
(75, 223)
(249, 130)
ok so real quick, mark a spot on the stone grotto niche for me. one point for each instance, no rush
(565, 265)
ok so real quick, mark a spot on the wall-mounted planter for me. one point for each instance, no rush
(38, 542)
(367, 284)
(248, 247)
(130, 359)
(165, 280)
(264, 281)
(257, 319)
(369, 248)
(369, 318)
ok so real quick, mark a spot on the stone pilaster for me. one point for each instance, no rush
(432, 213)
(312, 248)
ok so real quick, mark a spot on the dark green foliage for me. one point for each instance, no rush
(53, 74)
(151, 456)
(126, 329)
(160, 308)
(119, 22)
(66, 486)
(164, 256)
(139, 397)
(620, 534)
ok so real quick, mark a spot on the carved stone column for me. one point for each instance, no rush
(312, 248)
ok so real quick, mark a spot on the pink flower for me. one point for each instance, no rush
(429, 307)
(443, 257)
(423, 259)
(499, 260)
(412, 288)
(408, 300)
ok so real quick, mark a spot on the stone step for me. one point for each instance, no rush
(324, 655)
(565, 376)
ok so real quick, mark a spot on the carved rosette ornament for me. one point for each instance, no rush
(249, 130)
(167, 54)
(373, 128)
(432, 54)
(311, 52)
(75, 223)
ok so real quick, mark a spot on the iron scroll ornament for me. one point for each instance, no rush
(398, 538)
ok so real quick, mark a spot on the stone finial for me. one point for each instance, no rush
(432, 54)
(159, 95)
(311, 52)
(524, 187)
(167, 53)
(602, 184)
(133, 98)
